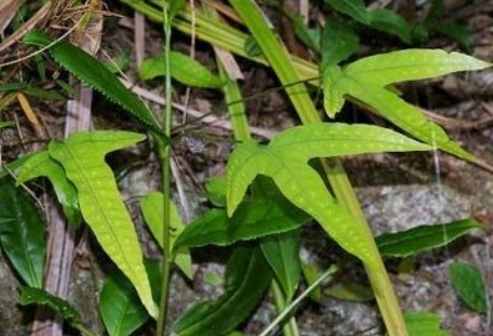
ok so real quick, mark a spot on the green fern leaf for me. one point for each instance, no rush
(410, 65)
(285, 160)
(82, 157)
(41, 164)
(367, 78)
(91, 71)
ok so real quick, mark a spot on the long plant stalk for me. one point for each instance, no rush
(165, 156)
(290, 328)
(289, 308)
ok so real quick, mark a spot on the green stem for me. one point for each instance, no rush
(83, 330)
(165, 155)
(297, 301)
(290, 328)
(378, 276)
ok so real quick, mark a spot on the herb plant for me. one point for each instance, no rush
(270, 192)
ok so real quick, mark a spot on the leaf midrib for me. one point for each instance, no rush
(100, 208)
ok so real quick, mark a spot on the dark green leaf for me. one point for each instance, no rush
(96, 74)
(356, 9)
(37, 296)
(380, 19)
(252, 48)
(13, 87)
(184, 69)
(247, 277)
(252, 220)
(423, 238)
(436, 10)
(391, 23)
(338, 42)
(153, 269)
(120, 307)
(43, 93)
(281, 252)
(5, 124)
(22, 233)
(424, 324)
(67, 88)
(468, 283)
(456, 32)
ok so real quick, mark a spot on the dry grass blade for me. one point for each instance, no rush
(8, 8)
(34, 21)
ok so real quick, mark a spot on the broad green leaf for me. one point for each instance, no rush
(183, 68)
(338, 42)
(152, 209)
(423, 238)
(281, 252)
(405, 116)
(215, 188)
(96, 74)
(299, 144)
(22, 233)
(120, 308)
(41, 164)
(469, 285)
(82, 156)
(458, 32)
(353, 8)
(380, 19)
(366, 79)
(252, 220)
(5, 124)
(285, 161)
(424, 324)
(409, 65)
(350, 292)
(38, 296)
(247, 277)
